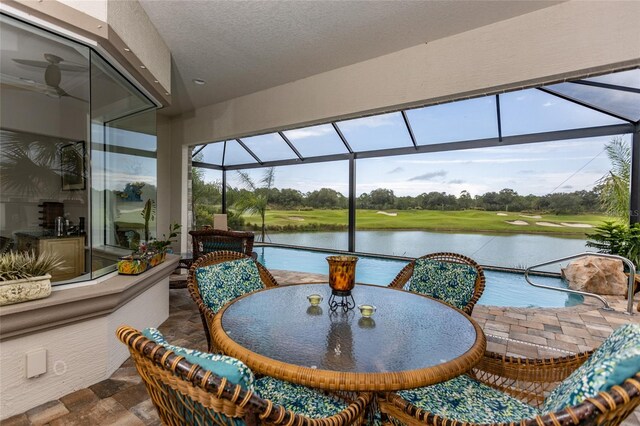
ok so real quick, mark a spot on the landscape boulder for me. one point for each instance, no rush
(597, 275)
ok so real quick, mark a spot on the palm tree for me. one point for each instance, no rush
(255, 198)
(614, 186)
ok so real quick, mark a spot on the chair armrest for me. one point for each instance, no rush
(527, 379)
(403, 277)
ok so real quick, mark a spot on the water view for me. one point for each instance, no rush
(502, 288)
(513, 250)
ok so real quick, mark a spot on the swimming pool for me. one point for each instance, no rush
(502, 288)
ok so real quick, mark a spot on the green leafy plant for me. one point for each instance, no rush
(20, 265)
(617, 238)
(162, 245)
(148, 214)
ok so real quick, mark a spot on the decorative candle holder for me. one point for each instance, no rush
(367, 310)
(314, 299)
(342, 279)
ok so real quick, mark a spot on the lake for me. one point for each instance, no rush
(512, 251)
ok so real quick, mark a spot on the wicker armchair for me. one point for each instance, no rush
(529, 381)
(210, 240)
(206, 313)
(185, 393)
(404, 277)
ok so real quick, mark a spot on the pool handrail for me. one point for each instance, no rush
(632, 270)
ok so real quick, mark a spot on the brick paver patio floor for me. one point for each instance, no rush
(529, 332)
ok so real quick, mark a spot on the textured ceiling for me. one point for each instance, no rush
(240, 47)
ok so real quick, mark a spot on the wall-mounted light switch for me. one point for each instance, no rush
(36, 363)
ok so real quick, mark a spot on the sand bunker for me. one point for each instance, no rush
(516, 222)
(557, 225)
(531, 217)
(296, 218)
(577, 225)
(502, 214)
(388, 214)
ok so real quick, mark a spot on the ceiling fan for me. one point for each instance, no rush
(53, 65)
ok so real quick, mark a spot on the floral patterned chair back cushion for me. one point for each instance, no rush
(450, 282)
(222, 282)
(233, 369)
(617, 359)
(302, 400)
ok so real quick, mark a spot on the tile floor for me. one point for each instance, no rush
(529, 332)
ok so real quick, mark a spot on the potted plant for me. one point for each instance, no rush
(148, 254)
(25, 276)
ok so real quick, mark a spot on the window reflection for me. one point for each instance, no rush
(77, 153)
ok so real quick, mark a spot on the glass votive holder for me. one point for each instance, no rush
(367, 310)
(314, 299)
(342, 272)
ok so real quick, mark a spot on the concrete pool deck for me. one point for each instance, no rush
(527, 332)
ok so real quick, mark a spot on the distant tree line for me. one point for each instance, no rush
(385, 199)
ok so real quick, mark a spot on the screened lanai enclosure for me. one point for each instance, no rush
(509, 179)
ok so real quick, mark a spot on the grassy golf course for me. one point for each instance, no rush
(431, 220)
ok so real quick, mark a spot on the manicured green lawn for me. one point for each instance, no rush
(463, 221)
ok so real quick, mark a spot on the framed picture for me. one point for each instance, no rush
(72, 166)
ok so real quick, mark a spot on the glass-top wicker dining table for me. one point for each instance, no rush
(410, 341)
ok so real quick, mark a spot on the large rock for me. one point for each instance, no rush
(597, 275)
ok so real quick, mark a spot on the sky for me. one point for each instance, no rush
(539, 169)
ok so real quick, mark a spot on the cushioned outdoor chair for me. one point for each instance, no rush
(219, 277)
(592, 388)
(210, 240)
(189, 387)
(450, 277)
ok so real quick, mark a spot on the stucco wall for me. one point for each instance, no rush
(78, 355)
(134, 27)
(569, 40)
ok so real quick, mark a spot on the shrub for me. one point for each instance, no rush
(20, 265)
(617, 238)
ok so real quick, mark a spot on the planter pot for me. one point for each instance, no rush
(157, 259)
(16, 291)
(132, 266)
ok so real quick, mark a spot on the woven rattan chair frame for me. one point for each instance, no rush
(402, 279)
(530, 380)
(213, 258)
(166, 374)
(199, 238)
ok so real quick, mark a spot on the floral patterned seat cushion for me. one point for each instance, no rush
(234, 370)
(299, 399)
(467, 400)
(617, 359)
(453, 283)
(223, 282)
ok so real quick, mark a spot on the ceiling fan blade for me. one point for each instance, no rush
(61, 92)
(25, 84)
(45, 64)
(32, 63)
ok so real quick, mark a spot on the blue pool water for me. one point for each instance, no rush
(502, 288)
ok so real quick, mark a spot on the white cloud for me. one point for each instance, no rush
(309, 132)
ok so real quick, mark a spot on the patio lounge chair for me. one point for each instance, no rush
(210, 240)
(219, 277)
(592, 388)
(189, 387)
(450, 277)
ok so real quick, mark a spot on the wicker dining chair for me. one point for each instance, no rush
(209, 240)
(503, 390)
(236, 280)
(450, 277)
(189, 393)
